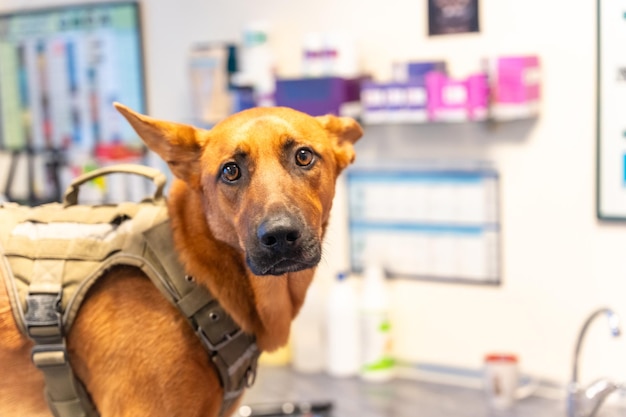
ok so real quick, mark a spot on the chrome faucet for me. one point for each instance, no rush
(585, 402)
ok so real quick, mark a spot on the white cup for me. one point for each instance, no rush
(501, 381)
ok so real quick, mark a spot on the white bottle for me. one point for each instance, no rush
(312, 55)
(258, 63)
(378, 363)
(307, 334)
(343, 341)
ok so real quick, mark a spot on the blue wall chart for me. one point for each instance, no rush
(430, 224)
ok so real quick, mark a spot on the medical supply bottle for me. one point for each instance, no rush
(307, 334)
(343, 336)
(377, 361)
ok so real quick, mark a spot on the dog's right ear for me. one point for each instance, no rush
(178, 144)
(346, 132)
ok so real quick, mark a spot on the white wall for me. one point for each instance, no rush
(559, 263)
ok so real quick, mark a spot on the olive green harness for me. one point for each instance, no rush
(50, 256)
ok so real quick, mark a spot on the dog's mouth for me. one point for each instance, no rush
(264, 263)
(281, 267)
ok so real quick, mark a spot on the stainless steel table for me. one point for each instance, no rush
(399, 398)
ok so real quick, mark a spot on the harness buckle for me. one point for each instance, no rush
(49, 355)
(250, 377)
(228, 337)
(43, 317)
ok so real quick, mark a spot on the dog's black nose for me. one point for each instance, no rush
(282, 244)
(280, 233)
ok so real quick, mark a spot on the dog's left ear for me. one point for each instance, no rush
(178, 144)
(346, 131)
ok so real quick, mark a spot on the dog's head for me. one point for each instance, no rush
(266, 177)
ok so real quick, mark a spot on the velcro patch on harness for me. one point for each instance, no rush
(64, 230)
(61, 251)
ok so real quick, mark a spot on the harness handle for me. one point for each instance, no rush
(157, 177)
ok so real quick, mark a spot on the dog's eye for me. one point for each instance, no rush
(231, 172)
(304, 157)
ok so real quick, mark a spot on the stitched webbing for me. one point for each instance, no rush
(64, 394)
(233, 352)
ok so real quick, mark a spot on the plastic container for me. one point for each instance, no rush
(307, 334)
(378, 363)
(258, 63)
(501, 380)
(343, 336)
(313, 55)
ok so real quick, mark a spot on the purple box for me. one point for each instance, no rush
(416, 71)
(457, 100)
(318, 96)
(374, 102)
(394, 102)
(397, 97)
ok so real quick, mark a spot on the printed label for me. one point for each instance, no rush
(455, 94)
(376, 341)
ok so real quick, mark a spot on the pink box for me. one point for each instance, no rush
(516, 86)
(457, 100)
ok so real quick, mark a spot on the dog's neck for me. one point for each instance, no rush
(264, 306)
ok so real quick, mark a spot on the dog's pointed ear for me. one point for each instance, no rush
(346, 131)
(177, 144)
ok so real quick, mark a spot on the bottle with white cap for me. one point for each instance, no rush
(343, 337)
(307, 333)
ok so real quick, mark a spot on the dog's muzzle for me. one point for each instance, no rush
(282, 243)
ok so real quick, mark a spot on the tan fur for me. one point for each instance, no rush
(134, 352)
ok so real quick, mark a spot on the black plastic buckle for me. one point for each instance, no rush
(44, 310)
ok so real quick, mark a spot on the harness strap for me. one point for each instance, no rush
(65, 395)
(234, 353)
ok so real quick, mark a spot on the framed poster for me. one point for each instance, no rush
(452, 16)
(611, 110)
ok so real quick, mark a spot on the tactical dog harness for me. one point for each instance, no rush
(51, 255)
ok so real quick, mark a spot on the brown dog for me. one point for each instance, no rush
(248, 208)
